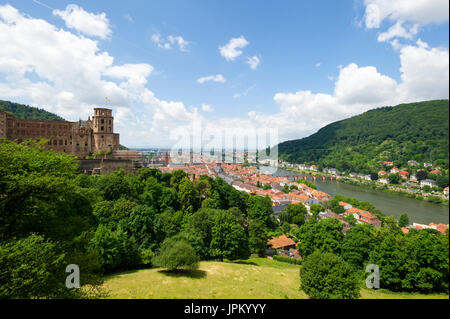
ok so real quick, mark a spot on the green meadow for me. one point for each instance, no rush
(256, 278)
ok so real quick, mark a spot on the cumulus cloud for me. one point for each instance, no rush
(95, 25)
(170, 41)
(417, 11)
(68, 74)
(212, 78)
(231, 50)
(253, 62)
(425, 72)
(398, 31)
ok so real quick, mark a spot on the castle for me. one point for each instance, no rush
(81, 139)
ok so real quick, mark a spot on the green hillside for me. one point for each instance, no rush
(415, 131)
(26, 112)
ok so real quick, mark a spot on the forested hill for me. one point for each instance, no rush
(26, 112)
(415, 131)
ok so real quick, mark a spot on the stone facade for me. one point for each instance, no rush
(81, 139)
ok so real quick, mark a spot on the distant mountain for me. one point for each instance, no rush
(415, 131)
(26, 112)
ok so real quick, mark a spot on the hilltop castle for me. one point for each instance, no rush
(81, 139)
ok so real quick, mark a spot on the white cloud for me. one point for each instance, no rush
(95, 25)
(398, 31)
(67, 74)
(253, 62)
(207, 108)
(182, 44)
(363, 85)
(425, 72)
(318, 64)
(231, 51)
(171, 40)
(417, 11)
(213, 78)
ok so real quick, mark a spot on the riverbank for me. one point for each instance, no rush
(390, 204)
(430, 198)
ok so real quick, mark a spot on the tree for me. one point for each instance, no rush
(198, 231)
(176, 178)
(403, 220)
(394, 178)
(257, 236)
(261, 208)
(327, 276)
(374, 176)
(176, 253)
(325, 235)
(442, 181)
(315, 209)
(294, 214)
(357, 245)
(188, 196)
(421, 175)
(33, 268)
(228, 239)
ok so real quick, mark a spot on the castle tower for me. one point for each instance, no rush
(103, 128)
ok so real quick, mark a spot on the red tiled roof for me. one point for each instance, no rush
(282, 241)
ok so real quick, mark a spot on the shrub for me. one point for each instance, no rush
(328, 276)
(287, 260)
(176, 253)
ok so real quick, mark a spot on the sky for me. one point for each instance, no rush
(173, 69)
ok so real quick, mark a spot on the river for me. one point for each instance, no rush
(419, 211)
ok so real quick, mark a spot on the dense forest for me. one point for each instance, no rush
(415, 131)
(26, 112)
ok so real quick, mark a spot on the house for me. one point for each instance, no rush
(282, 242)
(446, 191)
(314, 168)
(353, 174)
(413, 178)
(394, 170)
(388, 164)
(346, 206)
(333, 171)
(427, 165)
(435, 171)
(363, 216)
(428, 182)
(439, 227)
(383, 181)
(413, 163)
(382, 173)
(404, 174)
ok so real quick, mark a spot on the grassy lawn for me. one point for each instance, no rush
(256, 278)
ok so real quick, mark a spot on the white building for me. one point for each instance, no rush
(428, 182)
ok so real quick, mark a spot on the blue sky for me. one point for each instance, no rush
(331, 49)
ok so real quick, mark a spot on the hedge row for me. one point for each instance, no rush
(287, 260)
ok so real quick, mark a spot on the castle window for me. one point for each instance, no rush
(103, 128)
(103, 121)
(103, 137)
(109, 122)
